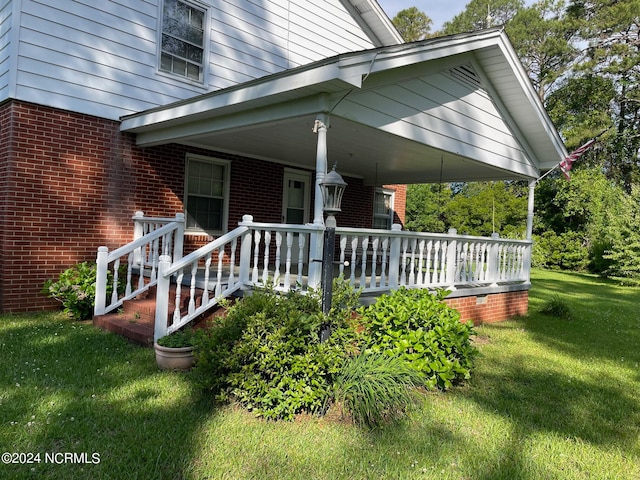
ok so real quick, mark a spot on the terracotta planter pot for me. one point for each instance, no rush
(169, 358)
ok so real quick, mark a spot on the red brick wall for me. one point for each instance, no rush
(70, 183)
(491, 308)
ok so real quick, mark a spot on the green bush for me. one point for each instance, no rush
(421, 329)
(75, 289)
(567, 251)
(267, 353)
(187, 337)
(375, 388)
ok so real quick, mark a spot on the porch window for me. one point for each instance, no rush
(383, 209)
(207, 194)
(182, 43)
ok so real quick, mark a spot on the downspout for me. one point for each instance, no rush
(316, 239)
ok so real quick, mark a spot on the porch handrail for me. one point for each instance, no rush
(377, 260)
(243, 267)
(143, 253)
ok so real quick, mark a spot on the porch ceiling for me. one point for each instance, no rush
(459, 108)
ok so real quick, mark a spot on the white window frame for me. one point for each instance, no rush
(392, 198)
(226, 164)
(205, 43)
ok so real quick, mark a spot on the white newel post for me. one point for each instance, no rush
(394, 256)
(452, 259)
(494, 264)
(162, 298)
(316, 238)
(245, 251)
(101, 280)
(138, 232)
(178, 243)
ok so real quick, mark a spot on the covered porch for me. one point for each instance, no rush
(451, 109)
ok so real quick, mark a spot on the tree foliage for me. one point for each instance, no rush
(412, 24)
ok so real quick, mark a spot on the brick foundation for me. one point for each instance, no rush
(492, 307)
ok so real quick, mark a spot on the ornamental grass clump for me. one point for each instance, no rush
(374, 388)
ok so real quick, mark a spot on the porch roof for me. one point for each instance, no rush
(455, 108)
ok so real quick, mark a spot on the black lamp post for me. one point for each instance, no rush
(332, 188)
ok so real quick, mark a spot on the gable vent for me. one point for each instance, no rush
(467, 74)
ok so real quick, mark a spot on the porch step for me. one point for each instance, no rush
(135, 320)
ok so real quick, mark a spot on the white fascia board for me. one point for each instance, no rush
(186, 130)
(376, 22)
(525, 83)
(236, 96)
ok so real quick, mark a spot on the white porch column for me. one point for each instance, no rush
(532, 187)
(315, 241)
(320, 128)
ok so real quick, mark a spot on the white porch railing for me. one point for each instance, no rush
(376, 260)
(153, 237)
(286, 257)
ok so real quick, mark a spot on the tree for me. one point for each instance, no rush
(542, 38)
(424, 207)
(482, 208)
(611, 31)
(480, 14)
(624, 252)
(412, 24)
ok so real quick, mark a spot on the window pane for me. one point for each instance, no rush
(205, 195)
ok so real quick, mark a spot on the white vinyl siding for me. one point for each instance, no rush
(6, 18)
(102, 58)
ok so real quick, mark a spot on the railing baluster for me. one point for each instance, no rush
(176, 310)
(412, 262)
(287, 263)
(343, 248)
(276, 274)
(256, 253)
(363, 272)
(301, 241)
(420, 274)
(383, 270)
(267, 245)
(374, 262)
(207, 270)
(403, 275)
(192, 291)
(354, 251)
(232, 263)
(127, 288)
(114, 293)
(218, 289)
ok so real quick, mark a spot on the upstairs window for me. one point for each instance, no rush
(182, 51)
(383, 209)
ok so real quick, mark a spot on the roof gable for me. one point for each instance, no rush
(450, 109)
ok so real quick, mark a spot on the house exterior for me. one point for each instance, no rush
(220, 110)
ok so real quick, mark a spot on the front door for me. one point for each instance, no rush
(296, 202)
(296, 196)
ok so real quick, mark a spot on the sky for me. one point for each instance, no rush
(437, 10)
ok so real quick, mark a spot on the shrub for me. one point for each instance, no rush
(75, 289)
(421, 329)
(375, 388)
(267, 353)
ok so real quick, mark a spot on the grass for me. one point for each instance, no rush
(550, 398)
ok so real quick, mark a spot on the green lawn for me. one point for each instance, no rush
(550, 398)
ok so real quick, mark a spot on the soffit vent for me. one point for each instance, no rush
(362, 7)
(466, 74)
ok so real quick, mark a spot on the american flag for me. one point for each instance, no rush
(566, 164)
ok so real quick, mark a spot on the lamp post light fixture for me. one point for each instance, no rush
(332, 188)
